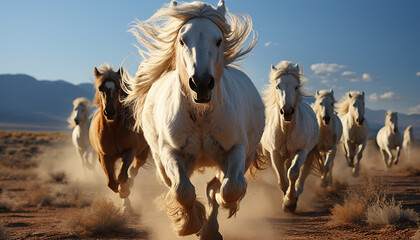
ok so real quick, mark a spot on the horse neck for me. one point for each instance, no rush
(289, 126)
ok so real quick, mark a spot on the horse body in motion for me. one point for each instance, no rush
(79, 121)
(351, 111)
(291, 132)
(111, 136)
(389, 138)
(200, 111)
(330, 131)
(408, 142)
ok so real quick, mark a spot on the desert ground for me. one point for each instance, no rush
(46, 194)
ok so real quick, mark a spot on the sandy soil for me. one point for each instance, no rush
(35, 206)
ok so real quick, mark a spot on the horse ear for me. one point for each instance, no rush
(97, 73)
(363, 93)
(173, 4)
(331, 91)
(273, 67)
(221, 7)
(317, 92)
(350, 96)
(297, 66)
(120, 71)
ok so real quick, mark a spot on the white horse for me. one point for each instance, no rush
(330, 131)
(196, 109)
(389, 138)
(408, 142)
(79, 121)
(291, 132)
(351, 111)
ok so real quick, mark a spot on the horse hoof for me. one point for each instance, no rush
(113, 186)
(290, 209)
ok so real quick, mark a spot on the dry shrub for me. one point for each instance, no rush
(17, 174)
(387, 212)
(71, 196)
(58, 176)
(347, 213)
(40, 197)
(101, 218)
(3, 233)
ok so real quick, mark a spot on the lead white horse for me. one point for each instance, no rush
(79, 121)
(291, 132)
(408, 142)
(330, 129)
(351, 111)
(389, 138)
(196, 109)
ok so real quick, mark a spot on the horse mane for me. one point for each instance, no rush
(388, 116)
(107, 73)
(319, 96)
(158, 37)
(76, 102)
(283, 68)
(344, 103)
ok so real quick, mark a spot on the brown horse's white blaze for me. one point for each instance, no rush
(111, 135)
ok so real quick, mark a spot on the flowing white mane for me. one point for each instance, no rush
(344, 104)
(158, 35)
(284, 67)
(76, 102)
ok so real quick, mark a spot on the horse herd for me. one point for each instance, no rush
(190, 107)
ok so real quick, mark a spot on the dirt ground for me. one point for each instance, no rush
(36, 203)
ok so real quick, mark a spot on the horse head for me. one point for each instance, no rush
(80, 111)
(108, 92)
(357, 106)
(199, 55)
(287, 83)
(325, 105)
(391, 120)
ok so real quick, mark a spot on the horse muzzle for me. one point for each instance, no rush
(109, 115)
(394, 130)
(202, 86)
(360, 121)
(76, 121)
(326, 120)
(287, 113)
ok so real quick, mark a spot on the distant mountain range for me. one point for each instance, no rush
(26, 103)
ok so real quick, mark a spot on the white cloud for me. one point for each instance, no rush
(385, 96)
(354, 77)
(414, 110)
(348, 74)
(418, 74)
(324, 81)
(276, 44)
(373, 97)
(322, 68)
(267, 44)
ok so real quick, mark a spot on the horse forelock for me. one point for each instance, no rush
(343, 105)
(321, 95)
(107, 74)
(158, 38)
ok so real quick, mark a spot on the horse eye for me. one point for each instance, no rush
(296, 88)
(181, 42)
(218, 42)
(320, 104)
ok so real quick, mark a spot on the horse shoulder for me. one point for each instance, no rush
(307, 128)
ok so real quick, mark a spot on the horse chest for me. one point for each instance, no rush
(357, 135)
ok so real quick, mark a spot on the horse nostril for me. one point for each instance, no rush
(293, 111)
(211, 84)
(192, 84)
(281, 111)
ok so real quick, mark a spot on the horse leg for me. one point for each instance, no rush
(290, 199)
(140, 160)
(390, 156)
(234, 185)
(210, 229)
(278, 166)
(303, 174)
(397, 155)
(82, 157)
(108, 165)
(384, 157)
(89, 154)
(346, 148)
(187, 214)
(328, 166)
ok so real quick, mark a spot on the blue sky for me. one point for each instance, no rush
(366, 45)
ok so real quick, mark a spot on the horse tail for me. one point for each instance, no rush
(317, 163)
(260, 161)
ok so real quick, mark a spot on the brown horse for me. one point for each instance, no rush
(111, 136)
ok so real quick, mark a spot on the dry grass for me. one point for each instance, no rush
(40, 197)
(416, 235)
(388, 212)
(3, 233)
(8, 173)
(348, 213)
(70, 196)
(102, 218)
